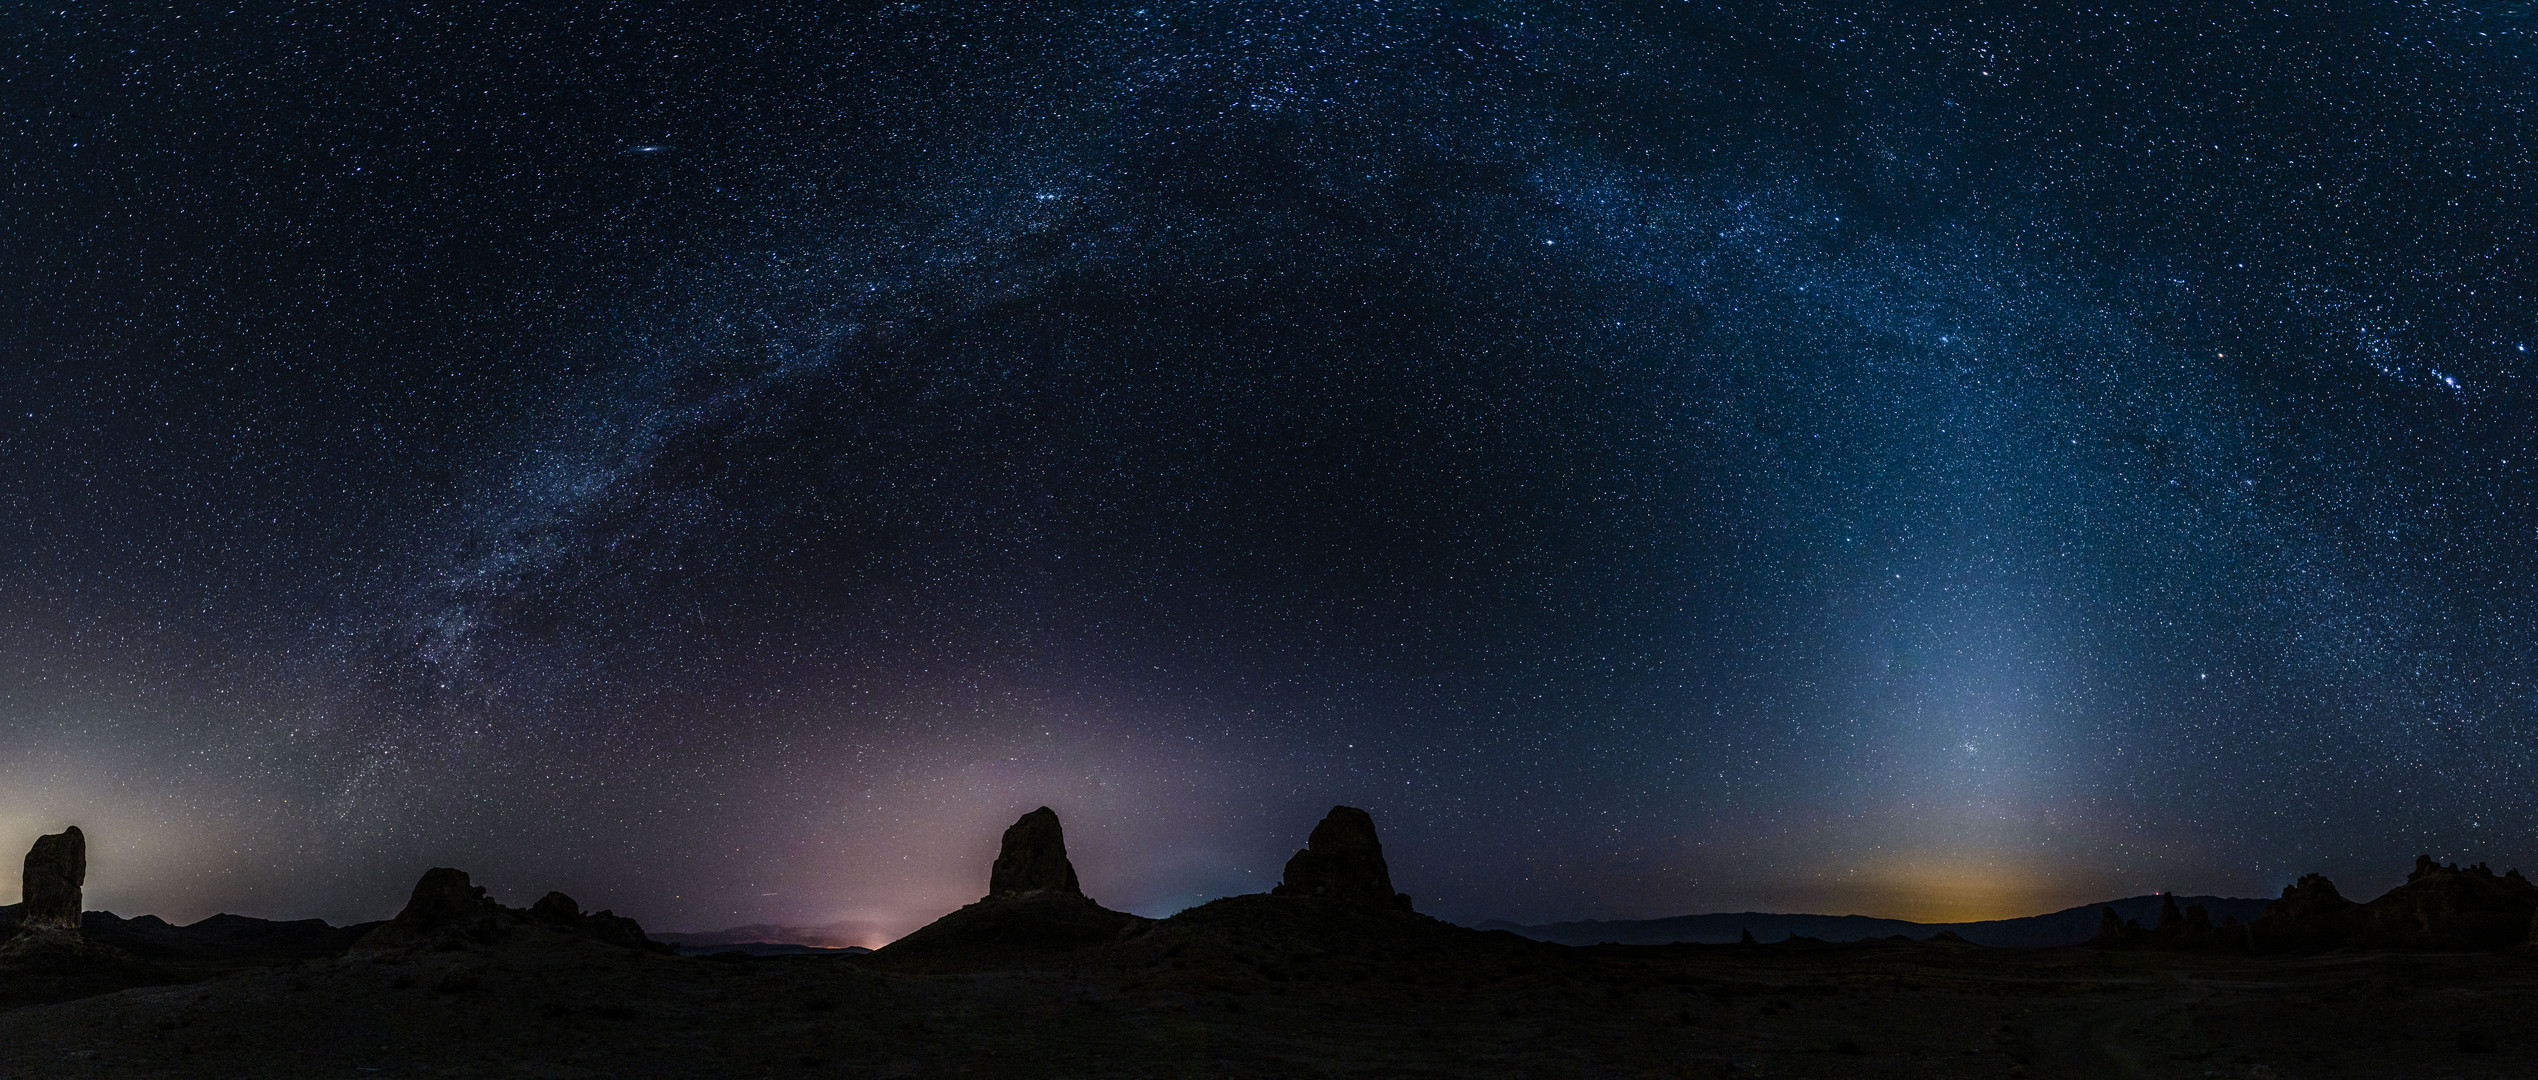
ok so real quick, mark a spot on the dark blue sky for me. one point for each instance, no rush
(727, 462)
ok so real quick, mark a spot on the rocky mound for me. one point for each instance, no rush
(448, 913)
(1343, 861)
(1033, 910)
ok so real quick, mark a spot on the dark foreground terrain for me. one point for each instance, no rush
(1284, 987)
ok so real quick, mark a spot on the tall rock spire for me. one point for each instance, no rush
(1342, 860)
(56, 867)
(1033, 859)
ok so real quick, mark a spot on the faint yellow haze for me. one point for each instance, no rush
(1944, 889)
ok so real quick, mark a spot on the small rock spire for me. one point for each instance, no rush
(2110, 927)
(2171, 920)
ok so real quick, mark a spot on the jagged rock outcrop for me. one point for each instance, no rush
(559, 911)
(2310, 915)
(1033, 909)
(1033, 859)
(1344, 861)
(2451, 907)
(2187, 928)
(2310, 897)
(445, 911)
(56, 867)
(2441, 906)
(2115, 931)
(448, 912)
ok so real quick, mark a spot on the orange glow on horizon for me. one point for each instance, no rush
(1942, 889)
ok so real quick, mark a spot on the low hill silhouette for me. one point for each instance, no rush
(2069, 926)
(770, 939)
(847, 935)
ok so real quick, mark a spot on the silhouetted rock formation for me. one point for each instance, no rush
(1034, 858)
(2189, 927)
(2447, 907)
(2310, 915)
(2110, 927)
(2116, 931)
(47, 934)
(1033, 909)
(447, 912)
(2441, 906)
(47, 955)
(555, 908)
(56, 867)
(559, 911)
(2310, 897)
(1342, 860)
(444, 911)
(2172, 922)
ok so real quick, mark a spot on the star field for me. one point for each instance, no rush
(1928, 461)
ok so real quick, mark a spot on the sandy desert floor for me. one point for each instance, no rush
(1260, 987)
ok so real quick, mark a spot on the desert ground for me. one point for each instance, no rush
(1287, 987)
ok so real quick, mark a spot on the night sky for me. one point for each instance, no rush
(726, 463)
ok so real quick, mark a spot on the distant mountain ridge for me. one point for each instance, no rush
(762, 938)
(757, 948)
(2070, 926)
(220, 937)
